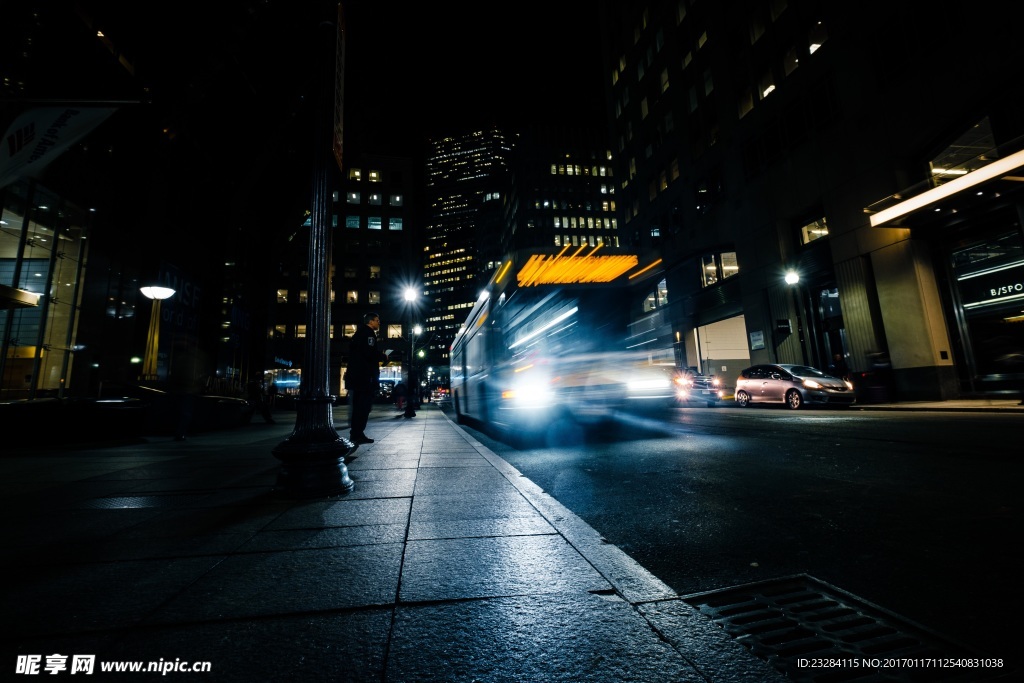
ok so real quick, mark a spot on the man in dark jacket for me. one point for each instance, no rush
(362, 379)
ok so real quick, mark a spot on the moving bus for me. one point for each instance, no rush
(545, 346)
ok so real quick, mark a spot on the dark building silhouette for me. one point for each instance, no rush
(825, 139)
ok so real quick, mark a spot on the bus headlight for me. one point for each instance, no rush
(644, 385)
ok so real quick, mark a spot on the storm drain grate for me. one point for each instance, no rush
(814, 632)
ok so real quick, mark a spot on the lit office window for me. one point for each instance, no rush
(352, 197)
(373, 297)
(730, 267)
(766, 86)
(279, 331)
(375, 199)
(813, 231)
(352, 296)
(375, 176)
(352, 222)
(709, 269)
(394, 331)
(746, 102)
(374, 272)
(300, 331)
(373, 222)
(397, 200)
(790, 61)
(817, 38)
(282, 296)
(394, 224)
(355, 174)
(349, 329)
(303, 296)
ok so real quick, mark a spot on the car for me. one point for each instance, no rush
(792, 385)
(697, 388)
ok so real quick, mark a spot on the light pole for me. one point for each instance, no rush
(411, 390)
(156, 294)
(313, 457)
(804, 306)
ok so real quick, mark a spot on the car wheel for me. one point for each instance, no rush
(793, 399)
(743, 399)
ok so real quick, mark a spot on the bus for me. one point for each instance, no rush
(545, 346)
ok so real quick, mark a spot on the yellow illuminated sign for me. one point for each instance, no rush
(560, 269)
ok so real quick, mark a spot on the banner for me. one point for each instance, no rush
(40, 135)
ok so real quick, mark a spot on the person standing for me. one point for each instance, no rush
(362, 379)
(257, 401)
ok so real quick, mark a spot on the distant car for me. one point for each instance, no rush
(792, 385)
(691, 388)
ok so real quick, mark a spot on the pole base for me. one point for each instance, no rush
(313, 470)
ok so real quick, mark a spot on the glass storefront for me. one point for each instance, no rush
(42, 251)
(989, 279)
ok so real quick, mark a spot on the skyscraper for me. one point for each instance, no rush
(466, 177)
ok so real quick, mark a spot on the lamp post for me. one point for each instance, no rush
(313, 457)
(804, 305)
(411, 385)
(156, 294)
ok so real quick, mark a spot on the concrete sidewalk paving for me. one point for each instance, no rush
(443, 564)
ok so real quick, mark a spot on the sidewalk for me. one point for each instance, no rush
(443, 564)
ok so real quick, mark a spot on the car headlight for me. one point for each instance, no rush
(811, 384)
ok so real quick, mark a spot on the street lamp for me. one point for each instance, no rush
(157, 294)
(805, 305)
(411, 391)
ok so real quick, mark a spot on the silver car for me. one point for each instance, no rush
(793, 385)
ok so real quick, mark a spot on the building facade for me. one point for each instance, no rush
(561, 191)
(375, 259)
(821, 188)
(466, 175)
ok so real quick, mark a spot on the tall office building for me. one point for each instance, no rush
(466, 176)
(823, 140)
(561, 191)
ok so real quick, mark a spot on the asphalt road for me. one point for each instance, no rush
(918, 513)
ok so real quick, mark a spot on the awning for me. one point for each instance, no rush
(995, 175)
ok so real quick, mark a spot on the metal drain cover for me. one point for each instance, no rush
(812, 631)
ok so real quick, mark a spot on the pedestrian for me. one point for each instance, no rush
(412, 394)
(362, 378)
(838, 367)
(254, 397)
(182, 393)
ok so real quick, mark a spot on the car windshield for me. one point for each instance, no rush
(806, 371)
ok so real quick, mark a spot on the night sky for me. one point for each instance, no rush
(443, 67)
(413, 68)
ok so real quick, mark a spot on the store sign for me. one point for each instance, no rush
(994, 286)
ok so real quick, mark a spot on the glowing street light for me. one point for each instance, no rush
(157, 295)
